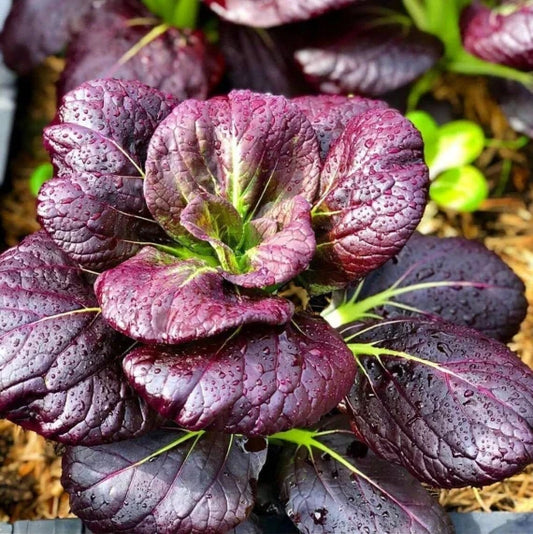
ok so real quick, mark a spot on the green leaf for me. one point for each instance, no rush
(178, 13)
(215, 220)
(41, 174)
(458, 143)
(461, 188)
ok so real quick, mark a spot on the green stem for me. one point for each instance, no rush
(369, 349)
(186, 437)
(418, 12)
(185, 14)
(465, 63)
(177, 13)
(512, 144)
(306, 438)
(423, 85)
(353, 310)
(152, 35)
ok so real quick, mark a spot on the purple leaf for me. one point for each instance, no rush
(283, 253)
(325, 497)
(279, 246)
(461, 417)
(372, 194)
(157, 298)
(516, 102)
(261, 60)
(198, 486)
(104, 127)
(35, 29)
(491, 301)
(180, 62)
(95, 209)
(260, 381)
(272, 13)
(98, 221)
(351, 52)
(501, 35)
(59, 368)
(329, 114)
(251, 149)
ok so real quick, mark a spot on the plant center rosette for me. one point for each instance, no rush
(151, 325)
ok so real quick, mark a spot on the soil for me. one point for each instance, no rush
(30, 485)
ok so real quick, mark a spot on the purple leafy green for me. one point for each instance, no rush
(157, 298)
(324, 496)
(253, 150)
(373, 189)
(456, 411)
(329, 114)
(273, 13)
(97, 220)
(262, 60)
(95, 209)
(259, 381)
(59, 368)
(35, 29)
(500, 35)
(104, 127)
(488, 296)
(352, 52)
(198, 485)
(247, 160)
(112, 45)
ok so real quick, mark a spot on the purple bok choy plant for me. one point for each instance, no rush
(167, 323)
(114, 38)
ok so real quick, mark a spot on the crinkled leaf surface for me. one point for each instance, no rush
(98, 220)
(493, 302)
(59, 368)
(95, 209)
(252, 149)
(501, 35)
(373, 192)
(462, 419)
(273, 13)
(199, 486)
(157, 298)
(329, 114)
(260, 381)
(104, 127)
(180, 62)
(350, 52)
(325, 497)
(262, 60)
(35, 29)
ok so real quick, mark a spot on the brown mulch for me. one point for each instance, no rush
(30, 470)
